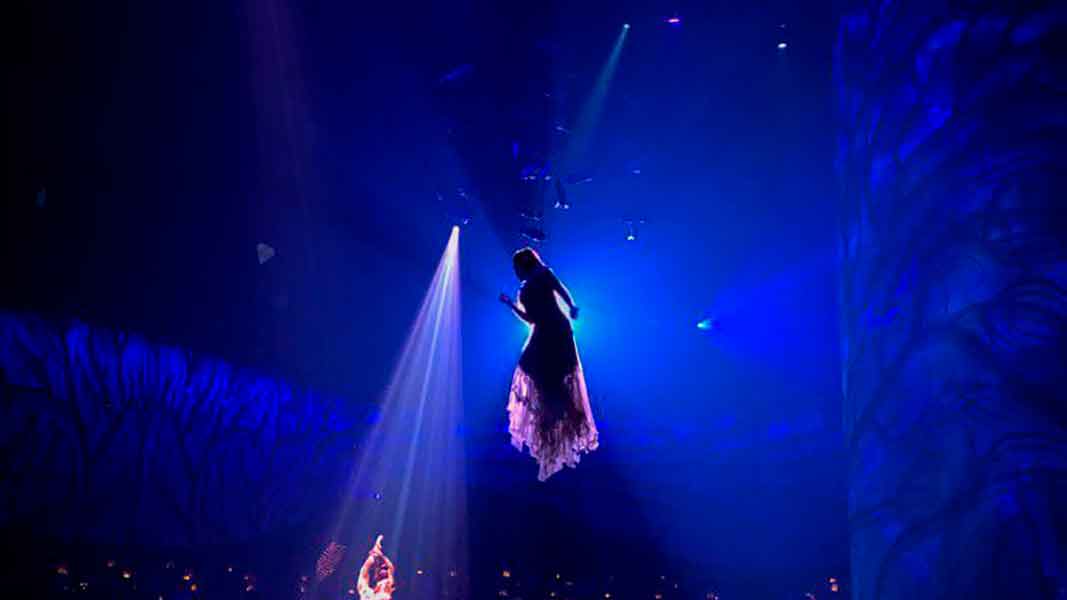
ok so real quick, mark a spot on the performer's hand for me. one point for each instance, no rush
(505, 299)
(378, 545)
(574, 312)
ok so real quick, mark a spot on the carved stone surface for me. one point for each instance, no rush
(106, 438)
(953, 135)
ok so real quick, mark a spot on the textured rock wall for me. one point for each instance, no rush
(106, 438)
(952, 161)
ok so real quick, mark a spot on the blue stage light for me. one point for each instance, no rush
(708, 324)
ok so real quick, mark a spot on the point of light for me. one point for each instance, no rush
(625, 25)
(782, 45)
(704, 324)
(674, 21)
(630, 237)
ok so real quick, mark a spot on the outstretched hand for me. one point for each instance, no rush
(506, 299)
(378, 546)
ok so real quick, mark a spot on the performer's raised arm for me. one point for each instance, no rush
(363, 581)
(387, 584)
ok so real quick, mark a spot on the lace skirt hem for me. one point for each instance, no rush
(556, 436)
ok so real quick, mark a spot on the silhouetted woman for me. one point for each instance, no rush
(548, 406)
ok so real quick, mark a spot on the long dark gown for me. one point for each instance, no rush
(548, 407)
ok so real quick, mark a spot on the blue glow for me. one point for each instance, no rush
(704, 324)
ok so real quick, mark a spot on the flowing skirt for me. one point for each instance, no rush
(548, 407)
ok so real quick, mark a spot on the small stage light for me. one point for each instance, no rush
(625, 25)
(675, 20)
(782, 45)
(264, 252)
(631, 228)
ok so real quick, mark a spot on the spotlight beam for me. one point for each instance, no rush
(408, 481)
(589, 118)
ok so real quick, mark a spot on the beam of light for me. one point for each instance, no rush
(408, 482)
(589, 118)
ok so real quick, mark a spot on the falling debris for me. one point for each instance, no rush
(533, 234)
(534, 171)
(264, 252)
(458, 208)
(579, 178)
(459, 73)
(561, 196)
(532, 215)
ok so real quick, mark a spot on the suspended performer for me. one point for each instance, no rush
(548, 407)
(383, 587)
